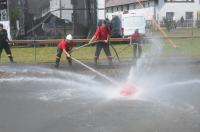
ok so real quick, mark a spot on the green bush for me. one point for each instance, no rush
(169, 24)
(198, 23)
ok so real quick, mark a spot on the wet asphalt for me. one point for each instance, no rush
(43, 99)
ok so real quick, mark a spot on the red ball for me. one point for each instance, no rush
(128, 90)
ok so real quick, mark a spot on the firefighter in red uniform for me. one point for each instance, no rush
(65, 46)
(136, 41)
(103, 34)
(4, 43)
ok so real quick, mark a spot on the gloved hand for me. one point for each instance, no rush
(105, 41)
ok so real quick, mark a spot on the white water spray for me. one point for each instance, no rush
(182, 83)
(97, 72)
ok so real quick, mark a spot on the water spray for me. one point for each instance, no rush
(127, 90)
(97, 72)
(173, 44)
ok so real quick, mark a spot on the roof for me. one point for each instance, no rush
(46, 19)
(110, 3)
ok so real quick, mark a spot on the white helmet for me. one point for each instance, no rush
(69, 37)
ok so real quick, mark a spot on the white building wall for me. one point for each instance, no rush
(64, 14)
(110, 15)
(101, 6)
(54, 5)
(178, 8)
(67, 14)
(148, 12)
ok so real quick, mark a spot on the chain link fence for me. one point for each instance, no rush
(44, 51)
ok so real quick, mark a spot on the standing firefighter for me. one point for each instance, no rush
(136, 41)
(4, 43)
(65, 46)
(102, 34)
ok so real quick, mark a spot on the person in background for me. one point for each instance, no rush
(182, 21)
(108, 23)
(65, 46)
(136, 41)
(4, 43)
(103, 34)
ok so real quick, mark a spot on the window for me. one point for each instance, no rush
(170, 15)
(122, 7)
(189, 15)
(143, 4)
(127, 6)
(132, 6)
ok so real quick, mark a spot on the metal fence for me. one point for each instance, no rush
(44, 51)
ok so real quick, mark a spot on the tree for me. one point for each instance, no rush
(198, 19)
(169, 24)
(14, 16)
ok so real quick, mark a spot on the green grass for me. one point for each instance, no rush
(186, 48)
(183, 32)
(48, 54)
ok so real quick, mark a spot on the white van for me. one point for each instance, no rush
(130, 22)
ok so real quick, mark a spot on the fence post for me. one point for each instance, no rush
(35, 50)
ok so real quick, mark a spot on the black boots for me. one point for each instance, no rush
(57, 62)
(95, 61)
(11, 59)
(69, 61)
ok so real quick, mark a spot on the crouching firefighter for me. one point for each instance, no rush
(65, 46)
(4, 43)
(103, 33)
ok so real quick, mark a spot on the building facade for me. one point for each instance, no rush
(175, 9)
(101, 9)
(145, 8)
(155, 9)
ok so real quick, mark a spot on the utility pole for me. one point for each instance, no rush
(8, 10)
(25, 16)
(60, 4)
